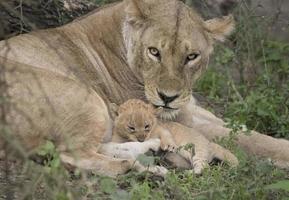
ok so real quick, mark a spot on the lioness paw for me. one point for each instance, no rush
(154, 144)
(158, 170)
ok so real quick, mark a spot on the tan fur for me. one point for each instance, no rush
(104, 58)
(137, 114)
(67, 113)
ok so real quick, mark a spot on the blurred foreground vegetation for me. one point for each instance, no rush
(247, 83)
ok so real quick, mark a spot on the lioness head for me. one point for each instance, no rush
(168, 46)
(135, 120)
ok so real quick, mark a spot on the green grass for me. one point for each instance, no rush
(248, 181)
(261, 103)
(252, 179)
(249, 77)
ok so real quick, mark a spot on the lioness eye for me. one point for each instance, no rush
(155, 52)
(192, 57)
(132, 129)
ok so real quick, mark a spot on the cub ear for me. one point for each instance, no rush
(219, 28)
(133, 12)
(157, 111)
(113, 110)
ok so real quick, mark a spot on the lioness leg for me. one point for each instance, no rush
(108, 166)
(98, 163)
(254, 143)
(128, 150)
(221, 153)
(131, 150)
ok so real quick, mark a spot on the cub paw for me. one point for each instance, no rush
(199, 165)
(198, 169)
(168, 145)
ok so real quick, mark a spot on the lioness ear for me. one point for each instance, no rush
(219, 28)
(133, 12)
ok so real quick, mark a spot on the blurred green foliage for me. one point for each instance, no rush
(261, 103)
(250, 78)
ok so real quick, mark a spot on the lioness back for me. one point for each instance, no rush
(47, 106)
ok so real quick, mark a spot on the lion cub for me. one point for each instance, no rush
(136, 121)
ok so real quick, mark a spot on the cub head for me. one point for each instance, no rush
(168, 46)
(135, 120)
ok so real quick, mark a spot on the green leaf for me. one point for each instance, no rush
(108, 185)
(262, 112)
(282, 185)
(120, 195)
(47, 148)
(274, 56)
(47, 169)
(146, 160)
(201, 197)
(62, 196)
(55, 163)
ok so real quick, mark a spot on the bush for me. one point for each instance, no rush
(250, 80)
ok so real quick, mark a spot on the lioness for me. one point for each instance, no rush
(152, 50)
(67, 113)
(137, 121)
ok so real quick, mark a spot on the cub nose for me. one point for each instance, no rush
(167, 99)
(142, 139)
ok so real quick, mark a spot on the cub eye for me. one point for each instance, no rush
(155, 52)
(192, 57)
(131, 129)
(147, 127)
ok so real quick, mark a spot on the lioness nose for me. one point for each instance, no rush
(167, 99)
